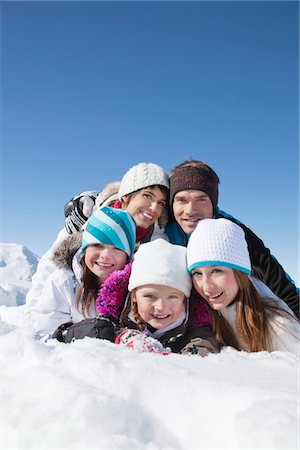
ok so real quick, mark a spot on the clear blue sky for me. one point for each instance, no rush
(91, 88)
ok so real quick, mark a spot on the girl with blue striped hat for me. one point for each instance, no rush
(69, 295)
(244, 312)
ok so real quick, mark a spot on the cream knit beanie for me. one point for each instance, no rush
(159, 262)
(141, 176)
(218, 242)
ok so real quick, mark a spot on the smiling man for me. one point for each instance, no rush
(193, 197)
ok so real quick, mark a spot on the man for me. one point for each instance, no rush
(193, 197)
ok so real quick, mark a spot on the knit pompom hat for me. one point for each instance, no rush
(141, 176)
(218, 242)
(162, 263)
(110, 226)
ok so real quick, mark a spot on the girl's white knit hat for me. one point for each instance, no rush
(141, 176)
(162, 263)
(218, 242)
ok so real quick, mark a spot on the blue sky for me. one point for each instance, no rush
(91, 88)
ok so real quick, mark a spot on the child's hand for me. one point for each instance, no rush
(141, 342)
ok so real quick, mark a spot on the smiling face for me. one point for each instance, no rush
(159, 306)
(103, 259)
(216, 284)
(191, 206)
(146, 206)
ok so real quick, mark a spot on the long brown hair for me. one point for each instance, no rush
(88, 290)
(252, 318)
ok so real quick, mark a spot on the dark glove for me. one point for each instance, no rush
(78, 210)
(100, 327)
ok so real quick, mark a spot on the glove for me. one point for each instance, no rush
(141, 342)
(78, 210)
(99, 327)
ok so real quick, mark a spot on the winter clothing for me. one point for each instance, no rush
(264, 265)
(141, 342)
(57, 304)
(108, 195)
(162, 263)
(220, 243)
(141, 176)
(192, 178)
(78, 210)
(110, 226)
(284, 331)
(111, 296)
(183, 338)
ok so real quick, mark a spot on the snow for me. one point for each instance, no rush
(17, 266)
(92, 394)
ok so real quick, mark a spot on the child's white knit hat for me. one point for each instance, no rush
(218, 242)
(162, 263)
(141, 176)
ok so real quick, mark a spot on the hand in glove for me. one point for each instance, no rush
(141, 342)
(100, 327)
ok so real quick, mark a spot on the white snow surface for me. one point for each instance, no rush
(17, 266)
(92, 394)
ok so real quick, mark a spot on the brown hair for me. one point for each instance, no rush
(141, 324)
(163, 220)
(88, 290)
(252, 318)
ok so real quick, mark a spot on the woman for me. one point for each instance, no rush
(70, 292)
(242, 312)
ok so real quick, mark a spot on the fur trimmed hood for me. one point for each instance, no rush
(108, 195)
(65, 251)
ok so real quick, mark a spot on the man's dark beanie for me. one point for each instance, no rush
(194, 178)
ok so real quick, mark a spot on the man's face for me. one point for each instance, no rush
(191, 206)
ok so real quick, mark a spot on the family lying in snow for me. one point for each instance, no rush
(189, 281)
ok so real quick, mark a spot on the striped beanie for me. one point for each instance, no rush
(141, 176)
(110, 226)
(218, 242)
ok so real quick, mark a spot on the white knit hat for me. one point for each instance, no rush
(159, 262)
(141, 176)
(218, 242)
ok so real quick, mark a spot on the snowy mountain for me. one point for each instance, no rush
(17, 266)
(93, 394)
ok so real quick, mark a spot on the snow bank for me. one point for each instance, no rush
(92, 394)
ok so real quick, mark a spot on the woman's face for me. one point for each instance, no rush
(216, 284)
(146, 206)
(103, 259)
(159, 306)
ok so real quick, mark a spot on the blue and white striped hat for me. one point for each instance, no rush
(218, 242)
(110, 226)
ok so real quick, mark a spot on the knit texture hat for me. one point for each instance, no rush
(110, 226)
(193, 178)
(159, 262)
(141, 176)
(218, 242)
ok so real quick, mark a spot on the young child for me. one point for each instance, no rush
(242, 315)
(70, 292)
(157, 317)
